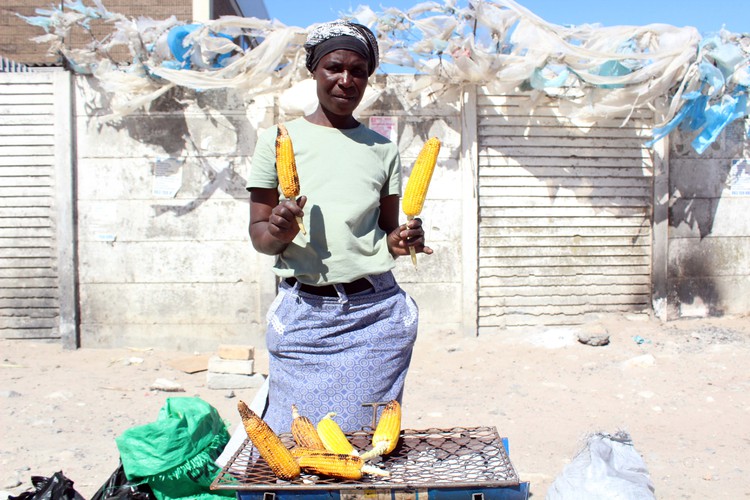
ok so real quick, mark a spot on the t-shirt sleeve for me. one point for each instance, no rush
(393, 184)
(263, 164)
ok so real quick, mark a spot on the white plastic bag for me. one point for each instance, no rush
(609, 467)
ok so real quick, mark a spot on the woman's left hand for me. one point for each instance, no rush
(410, 234)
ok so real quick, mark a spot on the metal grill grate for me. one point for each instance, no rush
(460, 457)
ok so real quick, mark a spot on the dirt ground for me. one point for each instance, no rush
(680, 389)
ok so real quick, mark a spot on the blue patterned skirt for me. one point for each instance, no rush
(333, 354)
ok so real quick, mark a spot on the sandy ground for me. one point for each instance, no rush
(681, 389)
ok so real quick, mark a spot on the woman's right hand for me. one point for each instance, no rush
(282, 222)
(273, 223)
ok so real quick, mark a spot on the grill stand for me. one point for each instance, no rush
(442, 464)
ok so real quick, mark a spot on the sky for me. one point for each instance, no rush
(708, 16)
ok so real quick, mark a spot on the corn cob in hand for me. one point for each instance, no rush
(333, 437)
(286, 168)
(304, 432)
(338, 465)
(419, 180)
(268, 444)
(387, 432)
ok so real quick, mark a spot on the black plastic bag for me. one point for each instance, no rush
(57, 487)
(117, 487)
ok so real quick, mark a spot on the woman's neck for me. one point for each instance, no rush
(326, 119)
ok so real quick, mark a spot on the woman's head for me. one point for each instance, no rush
(341, 35)
(341, 56)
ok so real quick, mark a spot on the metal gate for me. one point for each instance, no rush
(32, 152)
(564, 215)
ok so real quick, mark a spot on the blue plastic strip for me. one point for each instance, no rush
(660, 132)
(175, 40)
(718, 117)
(613, 68)
(539, 82)
(712, 76)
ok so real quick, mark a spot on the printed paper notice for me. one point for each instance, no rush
(739, 178)
(387, 126)
(102, 223)
(167, 177)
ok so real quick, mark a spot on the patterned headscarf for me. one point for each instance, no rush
(336, 35)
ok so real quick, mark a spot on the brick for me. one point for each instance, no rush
(229, 351)
(235, 366)
(233, 381)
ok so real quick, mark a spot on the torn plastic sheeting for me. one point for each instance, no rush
(710, 120)
(612, 68)
(88, 12)
(696, 117)
(660, 132)
(182, 51)
(41, 21)
(250, 71)
(439, 28)
(718, 117)
(712, 76)
(398, 57)
(693, 115)
(486, 42)
(558, 76)
(726, 56)
(176, 39)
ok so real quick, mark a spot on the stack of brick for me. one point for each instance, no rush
(233, 367)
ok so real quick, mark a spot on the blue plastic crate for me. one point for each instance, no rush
(520, 492)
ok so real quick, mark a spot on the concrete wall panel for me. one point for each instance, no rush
(708, 263)
(179, 269)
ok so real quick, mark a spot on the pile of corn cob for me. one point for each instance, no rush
(323, 449)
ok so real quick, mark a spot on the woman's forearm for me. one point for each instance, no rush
(273, 224)
(263, 241)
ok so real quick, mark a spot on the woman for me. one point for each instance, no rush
(341, 331)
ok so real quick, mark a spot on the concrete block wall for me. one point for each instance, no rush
(161, 270)
(179, 271)
(709, 231)
(437, 283)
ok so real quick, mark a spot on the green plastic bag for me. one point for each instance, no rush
(175, 454)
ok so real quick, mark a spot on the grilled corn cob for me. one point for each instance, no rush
(419, 180)
(268, 444)
(333, 437)
(387, 432)
(304, 432)
(338, 465)
(298, 451)
(286, 168)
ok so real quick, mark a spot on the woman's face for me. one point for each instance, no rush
(341, 78)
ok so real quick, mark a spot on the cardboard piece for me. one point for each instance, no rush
(190, 364)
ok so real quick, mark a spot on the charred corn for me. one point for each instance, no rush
(268, 444)
(286, 168)
(333, 437)
(338, 465)
(419, 180)
(387, 432)
(298, 451)
(304, 432)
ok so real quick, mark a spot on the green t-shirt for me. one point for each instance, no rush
(344, 174)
